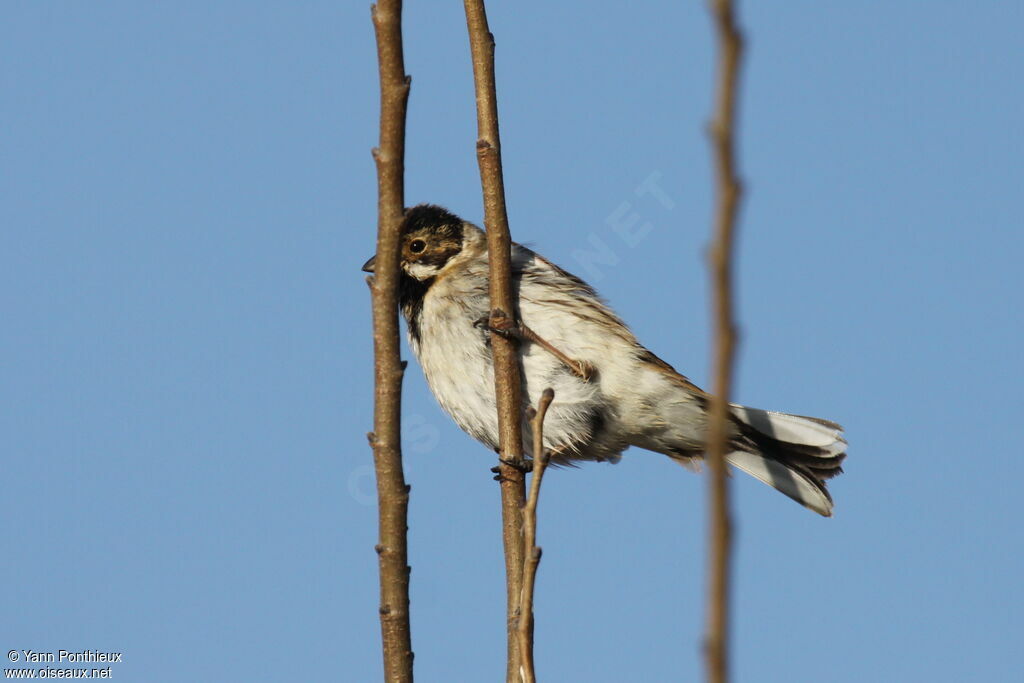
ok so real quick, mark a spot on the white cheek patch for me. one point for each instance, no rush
(421, 271)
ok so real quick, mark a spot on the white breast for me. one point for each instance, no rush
(456, 359)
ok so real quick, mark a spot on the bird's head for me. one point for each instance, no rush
(431, 237)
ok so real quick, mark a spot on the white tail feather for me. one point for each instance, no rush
(807, 431)
(794, 484)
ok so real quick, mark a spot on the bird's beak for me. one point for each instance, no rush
(368, 266)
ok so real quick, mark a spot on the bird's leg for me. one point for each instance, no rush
(502, 324)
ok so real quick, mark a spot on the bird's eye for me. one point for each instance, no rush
(416, 246)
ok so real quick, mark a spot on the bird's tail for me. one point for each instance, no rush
(793, 454)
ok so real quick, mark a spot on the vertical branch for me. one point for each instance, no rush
(524, 630)
(392, 491)
(730, 45)
(506, 361)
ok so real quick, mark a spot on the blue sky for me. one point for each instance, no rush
(187, 197)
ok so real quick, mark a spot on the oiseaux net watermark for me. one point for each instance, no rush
(66, 663)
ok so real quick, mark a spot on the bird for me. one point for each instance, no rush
(610, 391)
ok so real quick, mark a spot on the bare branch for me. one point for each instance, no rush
(506, 361)
(392, 491)
(524, 630)
(730, 45)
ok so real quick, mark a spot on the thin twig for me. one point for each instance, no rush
(506, 360)
(730, 45)
(541, 457)
(392, 491)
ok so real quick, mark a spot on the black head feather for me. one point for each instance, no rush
(434, 219)
(443, 231)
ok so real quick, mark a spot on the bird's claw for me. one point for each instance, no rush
(583, 369)
(501, 323)
(522, 464)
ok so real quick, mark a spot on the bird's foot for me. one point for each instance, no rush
(522, 464)
(582, 369)
(502, 324)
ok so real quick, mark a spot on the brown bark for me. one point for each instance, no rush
(392, 491)
(533, 552)
(727, 192)
(506, 361)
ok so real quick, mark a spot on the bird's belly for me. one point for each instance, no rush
(456, 359)
(574, 415)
